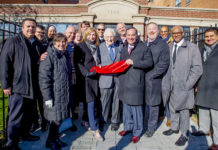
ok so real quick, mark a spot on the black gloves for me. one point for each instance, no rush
(91, 74)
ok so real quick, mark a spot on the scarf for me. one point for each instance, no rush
(208, 50)
(94, 51)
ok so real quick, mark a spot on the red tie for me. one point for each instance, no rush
(130, 49)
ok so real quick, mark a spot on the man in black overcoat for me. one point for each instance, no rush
(132, 84)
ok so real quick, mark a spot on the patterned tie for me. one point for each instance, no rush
(174, 54)
(112, 53)
(130, 49)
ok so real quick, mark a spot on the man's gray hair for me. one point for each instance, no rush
(109, 30)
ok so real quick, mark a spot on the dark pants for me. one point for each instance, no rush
(133, 119)
(20, 120)
(53, 131)
(151, 114)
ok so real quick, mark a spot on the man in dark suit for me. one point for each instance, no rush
(207, 96)
(19, 79)
(161, 58)
(109, 84)
(100, 30)
(133, 84)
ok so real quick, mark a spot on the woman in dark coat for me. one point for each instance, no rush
(55, 85)
(87, 56)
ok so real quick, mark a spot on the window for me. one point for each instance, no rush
(188, 1)
(178, 3)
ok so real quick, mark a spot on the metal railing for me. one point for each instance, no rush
(9, 26)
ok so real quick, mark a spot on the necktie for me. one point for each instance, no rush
(174, 54)
(130, 50)
(111, 53)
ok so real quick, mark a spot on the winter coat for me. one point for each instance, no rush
(178, 83)
(55, 83)
(84, 62)
(132, 82)
(161, 57)
(207, 95)
(16, 69)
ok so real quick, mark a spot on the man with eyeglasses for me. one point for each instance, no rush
(165, 35)
(178, 84)
(100, 30)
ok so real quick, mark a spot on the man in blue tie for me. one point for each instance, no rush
(109, 84)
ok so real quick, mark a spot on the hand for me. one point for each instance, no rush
(7, 91)
(129, 61)
(91, 74)
(43, 56)
(49, 103)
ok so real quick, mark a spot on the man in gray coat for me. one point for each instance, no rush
(178, 84)
(207, 95)
(109, 84)
(133, 84)
(161, 58)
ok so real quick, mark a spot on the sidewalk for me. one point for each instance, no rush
(84, 140)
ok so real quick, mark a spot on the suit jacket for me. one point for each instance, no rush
(207, 95)
(107, 81)
(132, 82)
(178, 83)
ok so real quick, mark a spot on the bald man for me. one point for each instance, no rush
(165, 35)
(178, 84)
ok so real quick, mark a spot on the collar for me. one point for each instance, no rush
(180, 43)
(110, 45)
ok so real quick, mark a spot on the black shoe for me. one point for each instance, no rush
(114, 126)
(181, 141)
(199, 133)
(53, 145)
(60, 143)
(35, 127)
(13, 147)
(73, 128)
(30, 137)
(170, 132)
(149, 133)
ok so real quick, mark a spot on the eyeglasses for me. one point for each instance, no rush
(101, 29)
(177, 33)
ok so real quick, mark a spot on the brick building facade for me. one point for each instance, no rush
(132, 12)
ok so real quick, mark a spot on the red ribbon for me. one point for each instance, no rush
(117, 67)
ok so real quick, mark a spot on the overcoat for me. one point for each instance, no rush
(207, 95)
(132, 82)
(84, 62)
(161, 57)
(16, 69)
(178, 83)
(55, 83)
(107, 81)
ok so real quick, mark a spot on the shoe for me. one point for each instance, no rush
(12, 147)
(135, 139)
(213, 147)
(168, 123)
(181, 141)
(97, 135)
(199, 133)
(60, 143)
(114, 126)
(73, 128)
(149, 133)
(170, 132)
(53, 145)
(30, 137)
(35, 126)
(123, 133)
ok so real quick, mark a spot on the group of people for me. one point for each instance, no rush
(56, 72)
